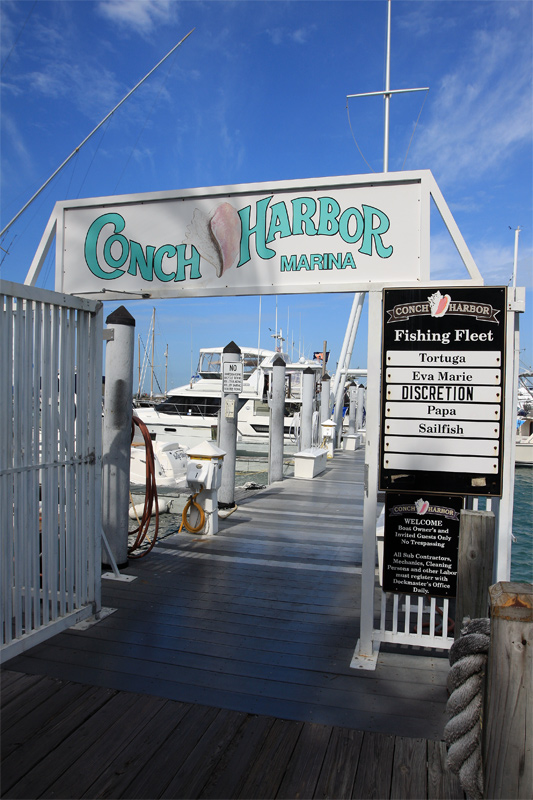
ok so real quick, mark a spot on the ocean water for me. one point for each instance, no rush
(522, 549)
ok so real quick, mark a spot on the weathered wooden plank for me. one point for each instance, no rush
(28, 702)
(14, 689)
(18, 780)
(338, 771)
(230, 773)
(195, 771)
(442, 784)
(99, 751)
(157, 773)
(266, 773)
(409, 769)
(33, 724)
(373, 777)
(136, 756)
(304, 766)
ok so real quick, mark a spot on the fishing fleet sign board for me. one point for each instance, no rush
(325, 235)
(442, 390)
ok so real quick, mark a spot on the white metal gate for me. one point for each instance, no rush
(50, 462)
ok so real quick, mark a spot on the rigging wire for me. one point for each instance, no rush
(147, 118)
(414, 129)
(355, 140)
(19, 35)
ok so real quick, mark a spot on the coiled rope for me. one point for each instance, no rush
(189, 505)
(468, 658)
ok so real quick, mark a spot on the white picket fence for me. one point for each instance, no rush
(50, 462)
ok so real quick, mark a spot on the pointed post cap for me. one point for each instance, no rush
(121, 316)
(232, 348)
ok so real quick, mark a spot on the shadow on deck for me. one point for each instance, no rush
(224, 671)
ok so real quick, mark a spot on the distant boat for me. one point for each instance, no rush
(189, 413)
(524, 432)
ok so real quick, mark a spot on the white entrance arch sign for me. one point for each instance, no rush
(343, 234)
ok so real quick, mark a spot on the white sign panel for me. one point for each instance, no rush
(326, 235)
(232, 377)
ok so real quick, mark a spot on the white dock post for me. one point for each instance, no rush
(308, 393)
(325, 397)
(360, 407)
(352, 394)
(277, 415)
(228, 428)
(116, 433)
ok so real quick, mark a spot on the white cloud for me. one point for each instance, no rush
(142, 16)
(480, 112)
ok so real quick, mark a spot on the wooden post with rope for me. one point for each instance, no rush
(474, 565)
(508, 716)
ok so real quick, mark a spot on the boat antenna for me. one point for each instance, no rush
(387, 93)
(78, 148)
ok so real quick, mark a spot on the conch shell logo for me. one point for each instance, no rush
(421, 506)
(216, 236)
(438, 304)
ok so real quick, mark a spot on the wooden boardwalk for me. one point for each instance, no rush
(69, 740)
(235, 649)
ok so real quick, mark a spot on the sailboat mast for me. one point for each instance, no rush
(153, 353)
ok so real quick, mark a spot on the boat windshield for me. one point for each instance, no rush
(210, 365)
(190, 406)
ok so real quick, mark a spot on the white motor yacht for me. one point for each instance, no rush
(189, 413)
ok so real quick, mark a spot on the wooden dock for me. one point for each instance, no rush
(224, 671)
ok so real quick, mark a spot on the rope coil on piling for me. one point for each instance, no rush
(468, 658)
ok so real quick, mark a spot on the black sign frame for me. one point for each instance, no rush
(421, 544)
(431, 324)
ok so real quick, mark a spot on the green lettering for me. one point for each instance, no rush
(287, 266)
(144, 263)
(317, 261)
(344, 222)
(279, 222)
(336, 261)
(91, 242)
(166, 250)
(329, 210)
(348, 262)
(193, 262)
(303, 263)
(259, 229)
(301, 220)
(375, 233)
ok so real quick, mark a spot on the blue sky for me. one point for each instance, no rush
(256, 93)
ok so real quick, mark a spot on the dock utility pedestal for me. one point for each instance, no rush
(310, 462)
(204, 476)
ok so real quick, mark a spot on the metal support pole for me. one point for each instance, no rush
(308, 394)
(325, 398)
(228, 432)
(277, 416)
(116, 434)
(359, 299)
(366, 653)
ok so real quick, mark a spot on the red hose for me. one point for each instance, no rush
(150, 495)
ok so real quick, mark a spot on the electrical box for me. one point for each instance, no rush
(204, 470)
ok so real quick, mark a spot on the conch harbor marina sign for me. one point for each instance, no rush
(339, 234)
